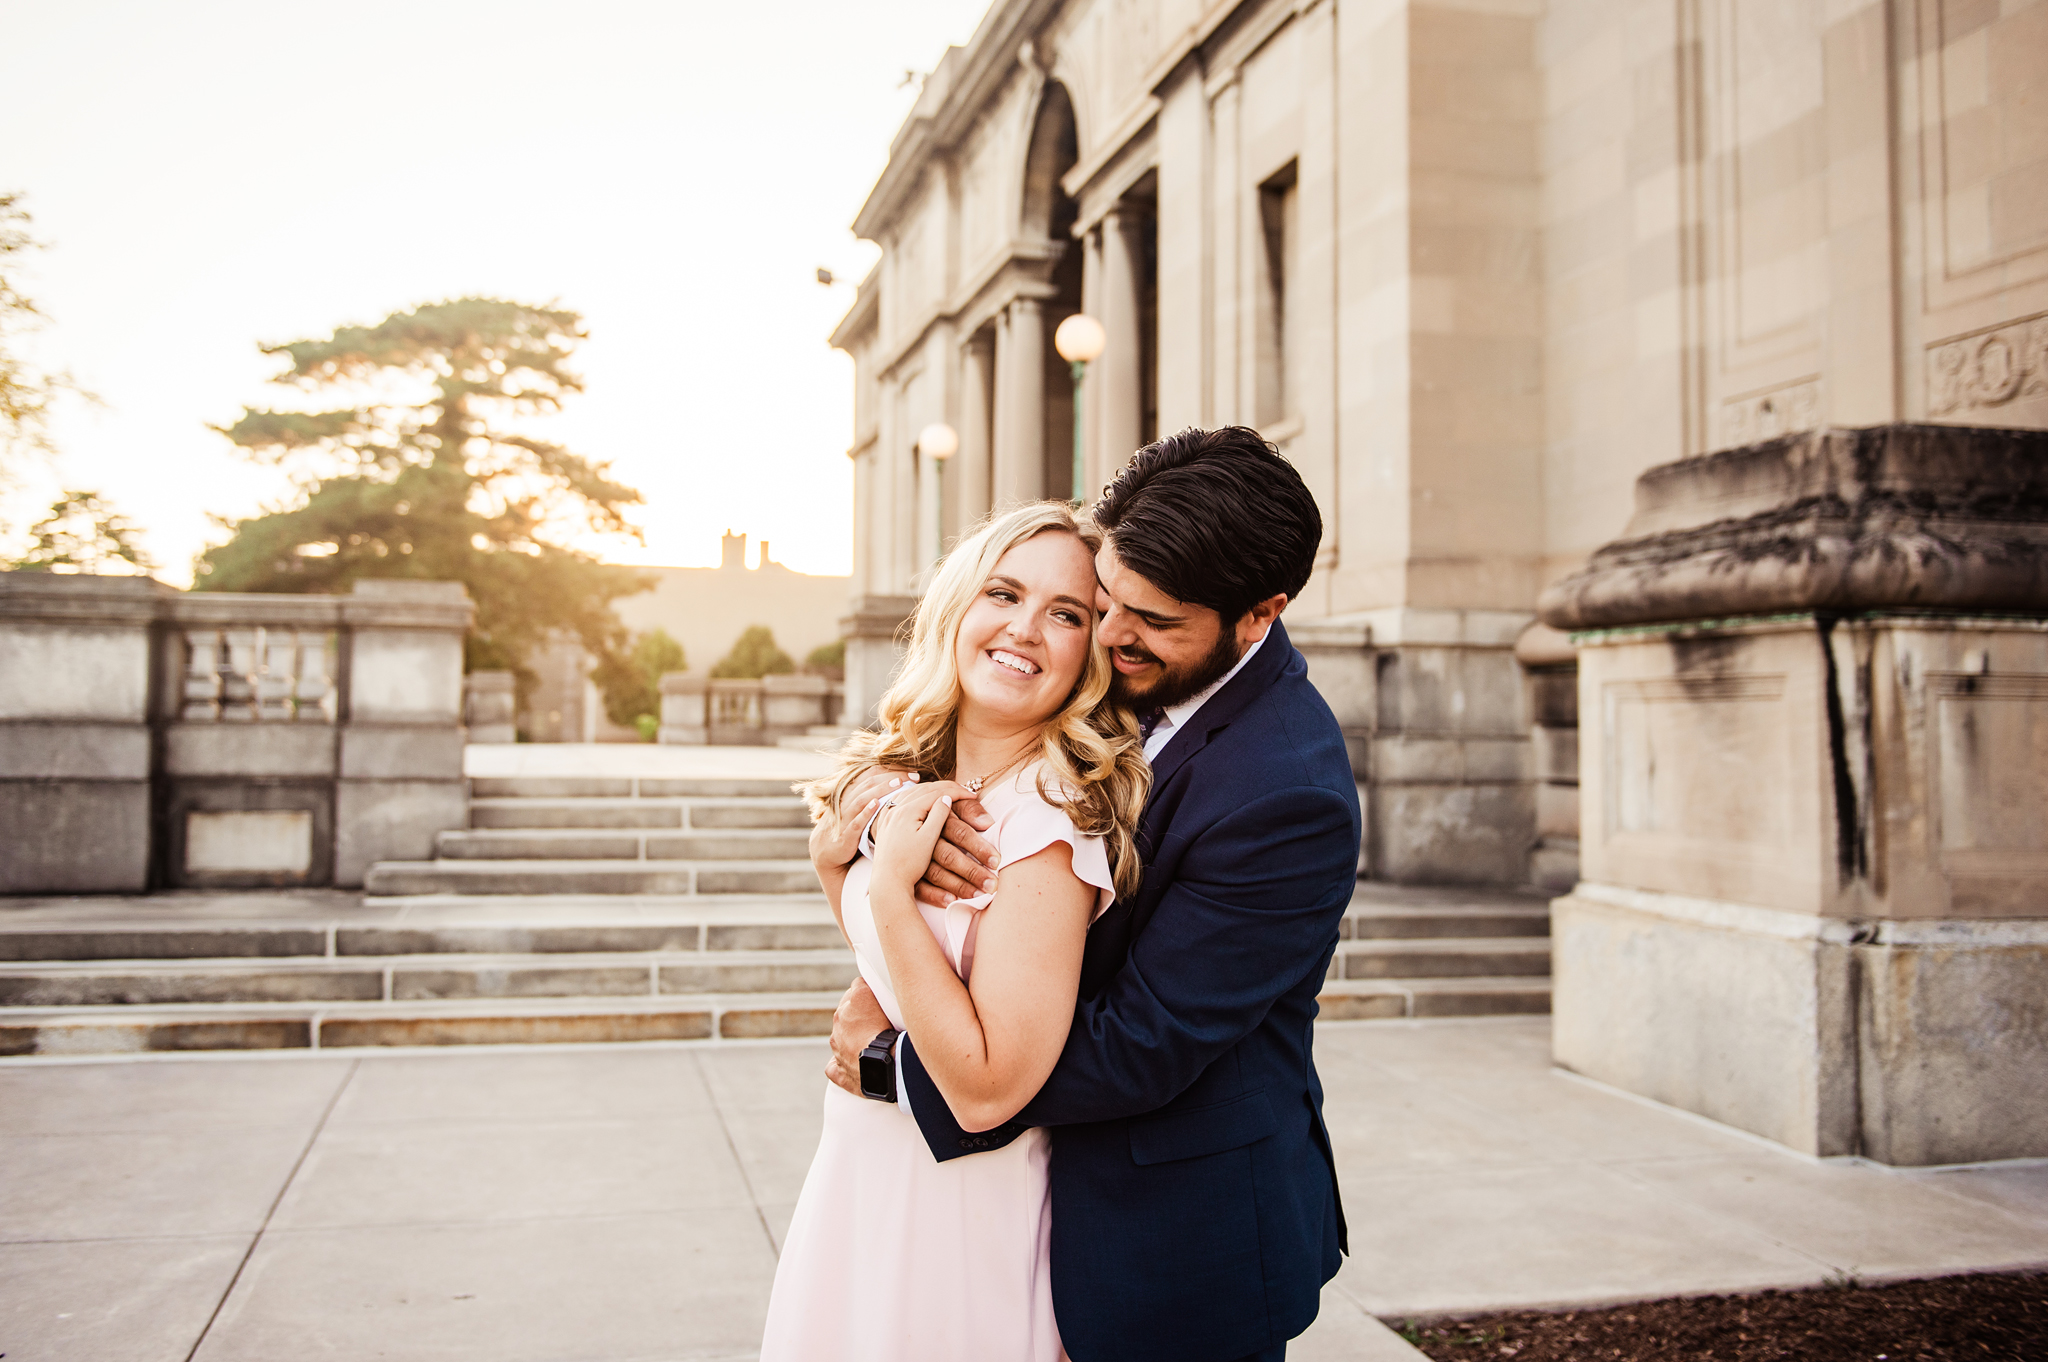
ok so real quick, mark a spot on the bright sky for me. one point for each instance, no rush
(217, 173)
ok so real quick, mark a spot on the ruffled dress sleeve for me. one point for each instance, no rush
(1025, 825)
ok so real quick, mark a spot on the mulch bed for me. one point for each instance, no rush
(1993, 1317)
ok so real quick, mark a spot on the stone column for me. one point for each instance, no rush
(1226, 220)
(1813, 681)
(970, 472)
(1020, 405)
(1183, 247)
(931, 535)
(1091, 380)
(1119, 400)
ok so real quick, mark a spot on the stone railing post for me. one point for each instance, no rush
(488, 704)
(1813, 704)
(685, 715)
(401, 776)
(75, 690)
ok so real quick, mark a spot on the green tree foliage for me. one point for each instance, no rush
(828, 659)
(753, 656)
(26, 395)
(25, 390)
(631, 682)
(415, 471)
(83, 533)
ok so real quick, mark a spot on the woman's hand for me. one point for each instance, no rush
(836, 841)
(908, 830)
(835, 838)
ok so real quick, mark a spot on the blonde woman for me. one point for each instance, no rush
(891, 1255)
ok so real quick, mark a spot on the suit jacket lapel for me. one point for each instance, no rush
(1226, 704)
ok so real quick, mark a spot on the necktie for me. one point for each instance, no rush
(1147, 721)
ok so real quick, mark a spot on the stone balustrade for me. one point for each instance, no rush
(157, 738)
(696, 709)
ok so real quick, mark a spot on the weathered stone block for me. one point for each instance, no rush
(74, 836)
(1909, 1042)
(1954, 1043)
(405, 676)
(73, 751)
(64, 670)
(391, 820)
(253, 749)
(1450, 834)
(1737, 1014)
(401, 752)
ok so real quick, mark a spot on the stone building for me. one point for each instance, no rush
(1501, 277)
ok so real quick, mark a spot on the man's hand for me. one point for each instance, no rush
(964, 862)
(858, 1019)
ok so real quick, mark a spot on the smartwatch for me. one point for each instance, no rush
(878, 1066)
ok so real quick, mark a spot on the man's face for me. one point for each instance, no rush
(1164, 650)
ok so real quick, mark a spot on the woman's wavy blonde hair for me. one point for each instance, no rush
(1095, 766)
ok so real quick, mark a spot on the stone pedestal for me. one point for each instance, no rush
(489, 705)
(1815, 893)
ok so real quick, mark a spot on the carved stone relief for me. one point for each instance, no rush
(1989, 369)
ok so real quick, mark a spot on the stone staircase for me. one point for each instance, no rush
(602, 835)
(585, 909)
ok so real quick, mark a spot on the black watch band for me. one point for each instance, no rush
(878, 1066)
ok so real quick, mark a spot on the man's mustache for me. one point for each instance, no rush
(1132, 653)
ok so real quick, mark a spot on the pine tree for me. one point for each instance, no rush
(415, 472)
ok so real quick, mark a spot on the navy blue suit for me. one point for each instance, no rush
(1194, 1197)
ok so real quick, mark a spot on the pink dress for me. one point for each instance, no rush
(893, 1256)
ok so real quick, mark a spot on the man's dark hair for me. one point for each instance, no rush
(1215, 518)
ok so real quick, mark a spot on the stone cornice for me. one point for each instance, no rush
(976, 72)
(1838, 520)
(86, 599)
(863, 315)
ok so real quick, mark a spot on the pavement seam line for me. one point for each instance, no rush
(318, 1127)
(738, 1163)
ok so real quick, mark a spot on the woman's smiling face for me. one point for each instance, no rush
(1024, 640)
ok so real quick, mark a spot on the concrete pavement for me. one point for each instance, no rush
(626, 1203)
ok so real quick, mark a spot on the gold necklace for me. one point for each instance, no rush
(974, 786)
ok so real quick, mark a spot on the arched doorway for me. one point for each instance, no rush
(1049, 213)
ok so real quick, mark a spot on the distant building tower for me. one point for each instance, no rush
(732, 552)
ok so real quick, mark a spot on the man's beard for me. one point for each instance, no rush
(1176, 685)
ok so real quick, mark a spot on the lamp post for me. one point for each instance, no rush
(938, 442)
(1079, 340)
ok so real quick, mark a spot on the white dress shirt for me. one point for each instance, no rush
(1177, 716)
